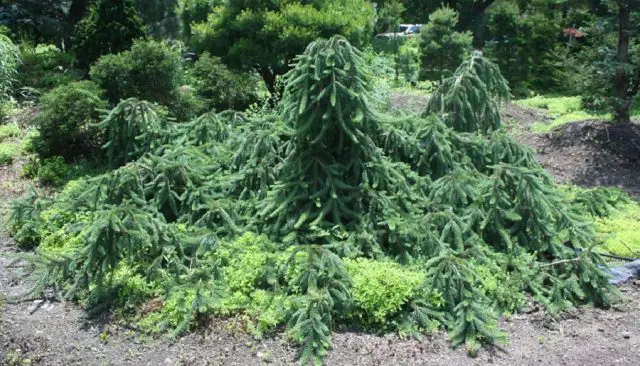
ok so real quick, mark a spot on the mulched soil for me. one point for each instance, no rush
(42, 332)
(586, 153)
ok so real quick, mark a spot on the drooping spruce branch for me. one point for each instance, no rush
(469, 100)
(133, 128)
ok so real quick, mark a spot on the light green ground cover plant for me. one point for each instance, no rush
(616, 216)
(8, 152)
(9, 131)
(621, 231)
(562, 110)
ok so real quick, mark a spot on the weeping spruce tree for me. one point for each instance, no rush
(333, 160)
(448, 196)
(471, 195)
(332, 175)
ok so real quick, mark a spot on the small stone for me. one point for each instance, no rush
(626, 335)
(551, 326)
(601, 330)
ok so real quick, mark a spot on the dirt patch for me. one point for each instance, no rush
(587, 153)
(409, 101)
(520, 118)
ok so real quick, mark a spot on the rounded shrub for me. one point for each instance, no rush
(66, 123)
(110, 27)
(110, 73)
(149, 71)
(442, 48)
(380, 289)
(221, 87)
(53, 171)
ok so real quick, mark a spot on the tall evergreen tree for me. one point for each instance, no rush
(110, 27)
(442, 48)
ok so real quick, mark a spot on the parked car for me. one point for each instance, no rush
(404, 30)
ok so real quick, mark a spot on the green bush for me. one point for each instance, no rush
(45, 67)
(110, 73)
(222, 88)
(133, 128)
(149, 70)
(110, 27)
(248, 265)
(8, 152)
(9, 131)
(25, 223)
(442, 48)
(53, 171)
(66, 123)
(456, 219)
(409, 59)
(187, 104)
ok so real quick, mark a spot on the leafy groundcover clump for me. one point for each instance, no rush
(326, 213)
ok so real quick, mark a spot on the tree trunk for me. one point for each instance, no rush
(77, 10)
(269, 78)
(621, 98)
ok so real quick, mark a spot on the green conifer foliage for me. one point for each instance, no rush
(442, 48)
(449, 195)
(133, 128)
(110, 27)
(469, 99)
(334, 169)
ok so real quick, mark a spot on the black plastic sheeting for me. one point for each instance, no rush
(624, 273)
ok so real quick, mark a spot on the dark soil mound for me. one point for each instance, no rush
(591, 153)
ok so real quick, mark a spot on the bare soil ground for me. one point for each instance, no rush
(586, 153)
(42, 332)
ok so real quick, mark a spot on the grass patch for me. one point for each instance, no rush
(621, 231)
(562, 110)
(8, 152)
(10, 130)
